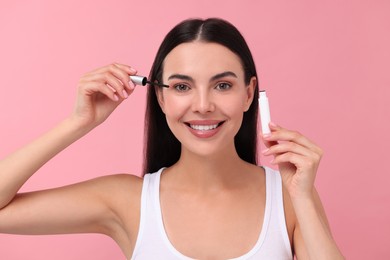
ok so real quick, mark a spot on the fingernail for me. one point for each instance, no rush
(116, 98)
(125, 94)
(273, 124)
(133, 70)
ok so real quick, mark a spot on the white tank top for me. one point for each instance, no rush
(153, 243)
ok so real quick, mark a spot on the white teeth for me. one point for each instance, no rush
(204, 127)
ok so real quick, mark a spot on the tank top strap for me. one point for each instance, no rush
(148, 225)
(278, 221)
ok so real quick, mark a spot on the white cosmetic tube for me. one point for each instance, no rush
(265, 115)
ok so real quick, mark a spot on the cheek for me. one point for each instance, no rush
(175, 107)
(234, 105)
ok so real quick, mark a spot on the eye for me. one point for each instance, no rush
(223, 86)
(181, 87)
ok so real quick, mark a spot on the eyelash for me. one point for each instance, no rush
(225, 84)
(216, 87)
(180, 85)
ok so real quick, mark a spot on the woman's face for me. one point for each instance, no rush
(207, 97)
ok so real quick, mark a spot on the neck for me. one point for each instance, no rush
(210, 172)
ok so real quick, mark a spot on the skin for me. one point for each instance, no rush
(206, 189)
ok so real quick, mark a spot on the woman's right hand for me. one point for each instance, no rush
(100, 92)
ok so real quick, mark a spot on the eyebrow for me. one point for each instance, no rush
(213, 78)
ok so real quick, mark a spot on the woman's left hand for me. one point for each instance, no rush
(298, 159)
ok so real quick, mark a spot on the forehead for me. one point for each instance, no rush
(201, 57)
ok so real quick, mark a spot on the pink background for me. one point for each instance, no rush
(325, 65)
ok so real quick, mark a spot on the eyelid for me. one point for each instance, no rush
(189, 87)
(174, 86)
(224, 82)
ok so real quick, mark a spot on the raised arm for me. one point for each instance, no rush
(298, 159)
(66, 209)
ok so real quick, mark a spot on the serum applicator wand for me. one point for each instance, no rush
(265, 115)
(142, 81)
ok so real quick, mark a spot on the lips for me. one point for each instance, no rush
(204, 128)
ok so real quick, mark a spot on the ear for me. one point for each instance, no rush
(250, 91)
(160, 97)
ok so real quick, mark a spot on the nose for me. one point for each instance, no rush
(203, 102)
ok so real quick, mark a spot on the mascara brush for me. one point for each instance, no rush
(142, 80)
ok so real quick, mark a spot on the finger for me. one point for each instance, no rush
(123, 74)
(117, 85)
(299, 161)
(268, 144)
(106, 77)
(92, 88)
(120, 71)
(130, 70)
(288, 157)
(281, 134)
(287, 147)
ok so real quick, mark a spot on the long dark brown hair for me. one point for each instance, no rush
(162, 149)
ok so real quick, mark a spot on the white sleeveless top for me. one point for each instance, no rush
(153, 243)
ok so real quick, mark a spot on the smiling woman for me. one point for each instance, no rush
(208, 97)
(202, 195)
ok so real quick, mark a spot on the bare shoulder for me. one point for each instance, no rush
(116, 187)
(122, 182)
(122, 193)
(108, 204)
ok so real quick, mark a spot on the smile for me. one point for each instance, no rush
(204, 127)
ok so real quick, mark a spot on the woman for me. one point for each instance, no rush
(206, 198)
